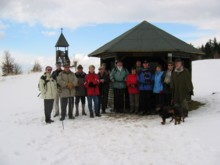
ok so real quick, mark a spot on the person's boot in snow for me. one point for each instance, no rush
(98, 114)
(91, 115)
(83, 110)
(77, 110)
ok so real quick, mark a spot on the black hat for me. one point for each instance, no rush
(79, 67)
(178, 60)
(170, 62)
(145, 62)
(118, 61)
(66, 64)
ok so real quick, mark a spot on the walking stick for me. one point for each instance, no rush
(63, 124)
(124, 100)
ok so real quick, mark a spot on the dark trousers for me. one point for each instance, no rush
(145, 101)
(159, 100)
(103, 100)
(167, 98)
(64, 102)
(48, 107)
(80, 98)
(119, 101)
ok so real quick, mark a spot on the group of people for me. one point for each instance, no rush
(147, 89)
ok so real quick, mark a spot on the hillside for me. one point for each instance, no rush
(26, 139)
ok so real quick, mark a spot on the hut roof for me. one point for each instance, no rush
(62, 42)
(145, 37)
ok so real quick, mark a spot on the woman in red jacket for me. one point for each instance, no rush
(133, 91)
(92, 86)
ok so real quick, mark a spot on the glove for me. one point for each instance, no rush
(69, 85)
(91, 85)
(191, 93)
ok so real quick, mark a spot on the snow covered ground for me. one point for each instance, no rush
(25, 138)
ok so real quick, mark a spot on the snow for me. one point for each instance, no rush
(111, 139)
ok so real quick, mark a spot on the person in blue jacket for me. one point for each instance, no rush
(158, 87)
(145, 81)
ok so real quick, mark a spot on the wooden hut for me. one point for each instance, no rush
(145, 41)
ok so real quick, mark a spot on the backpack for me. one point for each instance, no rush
(45, 81)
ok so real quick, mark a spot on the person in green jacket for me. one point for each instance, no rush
(181, 85)
(118, 76)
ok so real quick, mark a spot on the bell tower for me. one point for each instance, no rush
(62, 50)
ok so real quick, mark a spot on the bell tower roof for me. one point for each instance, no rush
(62, 42)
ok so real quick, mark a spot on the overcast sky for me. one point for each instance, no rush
(29, 29)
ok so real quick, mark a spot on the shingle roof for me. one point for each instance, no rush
(146, 37)
(62, 41)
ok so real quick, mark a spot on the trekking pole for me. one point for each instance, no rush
(63, 124)
(124, 100)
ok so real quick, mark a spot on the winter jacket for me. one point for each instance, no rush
(145, 80)
(158, 84)
(92, 84)
(181, 85)
(80, 89)
(47, 86)
(56, 73)
(166, 86)
(132, 83)
(119, 77)
(104, 87)
(63, 79)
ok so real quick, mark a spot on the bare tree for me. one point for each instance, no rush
(7, 64)
(17, 69)
(37, 67)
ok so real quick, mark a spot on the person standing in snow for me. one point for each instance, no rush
(57, 98)
(92, 86)
(145, 81)
(181, 85)
(80, 90)
(132, 83)
(158, 87)
(67, 81)
(103, 88)
(166, 84)
(118, 77)
(48, 88)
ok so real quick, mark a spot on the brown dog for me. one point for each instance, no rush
(166, 112)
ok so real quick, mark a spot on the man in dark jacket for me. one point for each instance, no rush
(181, 85)
(166, 83)
(103, 88)
(57, 98)
(80, 90)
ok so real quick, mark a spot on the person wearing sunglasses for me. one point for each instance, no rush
(48, 88)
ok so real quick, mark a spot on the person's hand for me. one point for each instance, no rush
(69, 85)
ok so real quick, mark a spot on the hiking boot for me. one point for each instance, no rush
(91, 115)
(51, 121)
(48, 122)
(62, 118)
(56, 115)
(98, 115)
(83, 110)
(71, 117)
(77, 110)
